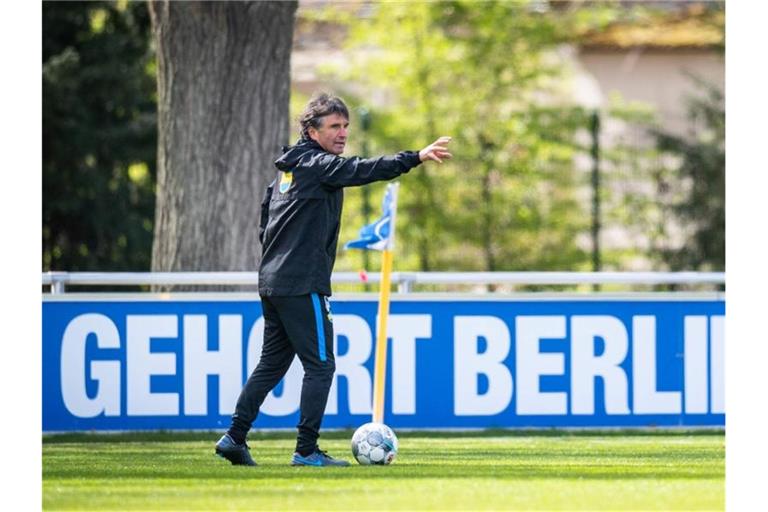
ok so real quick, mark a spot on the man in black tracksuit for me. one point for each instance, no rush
(300, 220)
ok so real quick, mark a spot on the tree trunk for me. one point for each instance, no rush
(223, 79)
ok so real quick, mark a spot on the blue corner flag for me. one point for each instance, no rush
(380, 235)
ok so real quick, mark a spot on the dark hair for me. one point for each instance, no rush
(319, 106)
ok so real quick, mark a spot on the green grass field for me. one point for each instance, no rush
(542, 470)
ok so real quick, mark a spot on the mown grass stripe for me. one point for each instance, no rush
(164, 471)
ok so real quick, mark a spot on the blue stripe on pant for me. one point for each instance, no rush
(319, 326)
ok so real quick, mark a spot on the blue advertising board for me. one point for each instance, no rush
(152, 363)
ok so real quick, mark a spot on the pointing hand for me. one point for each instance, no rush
(436, 151)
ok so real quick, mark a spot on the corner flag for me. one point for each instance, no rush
(380, 236)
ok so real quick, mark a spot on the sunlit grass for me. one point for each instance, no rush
(491, 470)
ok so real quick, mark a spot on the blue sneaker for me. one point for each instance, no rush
(318, 458)
(237, 454)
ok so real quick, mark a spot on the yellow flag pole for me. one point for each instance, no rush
(380, 370)
(380, 365)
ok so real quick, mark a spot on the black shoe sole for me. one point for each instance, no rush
(234, 463)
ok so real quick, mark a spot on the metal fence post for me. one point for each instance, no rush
(405, 284)
(57, 286)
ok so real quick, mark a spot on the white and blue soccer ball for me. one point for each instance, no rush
(374, 443)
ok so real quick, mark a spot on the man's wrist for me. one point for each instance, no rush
(416, 157)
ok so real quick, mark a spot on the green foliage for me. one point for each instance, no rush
(99, 136)
(491, 78)
(501, 470)
(700, 206)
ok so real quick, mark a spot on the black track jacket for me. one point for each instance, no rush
(301, 214)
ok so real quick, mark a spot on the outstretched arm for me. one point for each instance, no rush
(436, 151)
(336, 171)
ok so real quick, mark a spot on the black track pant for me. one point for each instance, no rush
(292, 325)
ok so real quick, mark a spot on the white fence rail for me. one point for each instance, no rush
(58, 281)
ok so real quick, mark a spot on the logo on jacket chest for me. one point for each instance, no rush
(285, 182)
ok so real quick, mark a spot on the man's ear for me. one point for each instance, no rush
(312, 132)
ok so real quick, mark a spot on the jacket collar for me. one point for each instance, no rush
(304, 144)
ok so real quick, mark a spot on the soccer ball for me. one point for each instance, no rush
(374, 443)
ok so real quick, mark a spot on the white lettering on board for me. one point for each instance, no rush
(404, 331)
(142, 364)
(586, 366)
(73, 367)
(351, 364)
(469, 363)
(199, 363)
(532, 364)
(646, 397)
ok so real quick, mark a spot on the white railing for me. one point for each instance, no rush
(58, 281)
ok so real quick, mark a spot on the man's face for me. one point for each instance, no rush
(332, 134)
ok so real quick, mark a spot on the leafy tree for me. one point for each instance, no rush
(99, 136)
(517, 194)
(699, 206)
(490, 78)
